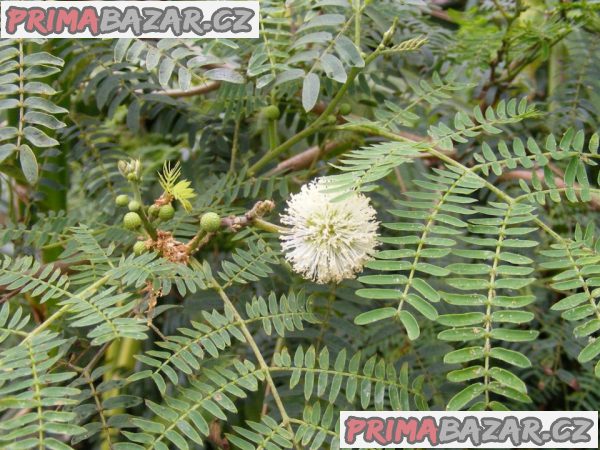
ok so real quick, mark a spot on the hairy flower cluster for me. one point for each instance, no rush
(328, 240)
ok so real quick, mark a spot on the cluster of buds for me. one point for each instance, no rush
(134, 219)
(162, 210)
(139, 214)
(130, 169)
(327, 239)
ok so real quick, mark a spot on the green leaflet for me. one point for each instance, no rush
(375, 315)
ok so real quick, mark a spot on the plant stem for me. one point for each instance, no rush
(447, 159)
(49, 321)
(308, 131)
(502, 10)
(193, 244)
(202, 237)
(119, 356)
(272, 129)
(91, 289)
(261, 361)
(66, 239)
(264, 225)
(357, 17)
(487, 347)
(235, 144)
(316, 125)
(15, 211)
(278, 347)
(21, 94)
(145, 222)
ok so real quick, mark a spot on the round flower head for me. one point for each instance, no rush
(328, 240)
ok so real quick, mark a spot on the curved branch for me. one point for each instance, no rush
(196, 90)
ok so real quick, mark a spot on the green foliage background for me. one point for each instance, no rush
(470, 125)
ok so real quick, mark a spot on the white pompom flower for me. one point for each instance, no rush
(328, 240)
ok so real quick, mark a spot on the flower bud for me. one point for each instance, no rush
(122, 200)
(166, 212)
(271, 112)
(345, 109)
(134, 205)
(389, 34)
(139, 247)
(132, 220)
(130, 169)
(210, 222)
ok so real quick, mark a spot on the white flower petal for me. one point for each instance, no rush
(328, 241)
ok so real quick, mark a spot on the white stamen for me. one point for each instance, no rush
(328, 241)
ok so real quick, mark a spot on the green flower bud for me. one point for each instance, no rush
(271, 112)
(210, 222)
(166, 212)
(132, 220)
(122, 200)
(345, 109)
(134, 205)
(139, 247)
(153, 210)
(130, 169)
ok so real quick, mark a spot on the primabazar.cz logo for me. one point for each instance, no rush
(128, 19)
(469, 429)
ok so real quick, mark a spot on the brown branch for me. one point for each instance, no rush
(196, 90)
(440, 15)
(304, 159)
(253, 217)
(260, 209)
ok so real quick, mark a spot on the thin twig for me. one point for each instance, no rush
(90, 290)
(320, 121)
(259, 357)
(196, 90)
(278, 347)
(235, 144)
(304, 159)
